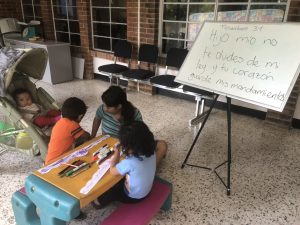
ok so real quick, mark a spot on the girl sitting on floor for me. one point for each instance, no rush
(115, 111)
(138, 168)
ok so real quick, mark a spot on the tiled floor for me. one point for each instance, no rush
(265, 164)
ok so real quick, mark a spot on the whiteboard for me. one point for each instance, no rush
(256, 63)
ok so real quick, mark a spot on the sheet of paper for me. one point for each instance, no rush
(103, 168)
(81, 152)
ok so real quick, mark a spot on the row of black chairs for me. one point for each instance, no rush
(147, 57)
(148, 54)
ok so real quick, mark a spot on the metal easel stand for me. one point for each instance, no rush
(228, 161)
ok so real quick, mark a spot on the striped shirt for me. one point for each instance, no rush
(64, 134)
(109, 124)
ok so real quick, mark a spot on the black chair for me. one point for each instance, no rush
(175, 58)
(122, 50)
(147, 54)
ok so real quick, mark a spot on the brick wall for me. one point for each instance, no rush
(83, 12)
(294, 12)
(10, 9)
(47, 19)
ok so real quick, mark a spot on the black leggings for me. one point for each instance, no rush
(117, 193)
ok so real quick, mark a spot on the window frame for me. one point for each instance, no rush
(110, 23)
(39, 18)
(216, 3)
(67, 6)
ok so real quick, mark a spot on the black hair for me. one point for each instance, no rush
(19, 91)
(72, 108)
(137, 138)
(115, 96)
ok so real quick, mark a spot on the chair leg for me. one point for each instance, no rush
(199, 112)
(199, 107)
(138, 86)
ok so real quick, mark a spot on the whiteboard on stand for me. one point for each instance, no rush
(256, 63)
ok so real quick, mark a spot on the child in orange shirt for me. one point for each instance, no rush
(67, 133)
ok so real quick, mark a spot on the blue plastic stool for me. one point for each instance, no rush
(24, 210)
(54, 206)
(168, 203)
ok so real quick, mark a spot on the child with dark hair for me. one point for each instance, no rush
(67, 133)
(114, 111)
(138, 167)
(32, 111)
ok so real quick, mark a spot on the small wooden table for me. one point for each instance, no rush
(59, 198)
(72, 185)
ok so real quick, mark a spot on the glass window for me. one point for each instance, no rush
(197, 9)
(66, 22)
(75, 39)
(109, 23)
(102, 43)
(101, 15)
(60, 12)
(267, 13)
(232, 13)
(266, 1)
(72, 13)
(64, 37)
(228, 1)
(74, 27)
(37, 11)
(118, 3)
(61, 25)
(72, 2)
(167, 44)
(31, 10)
(202, 0)
(175, 0)
(101, 29)
(102, 3)
(182, 19)
(173, 30)
(118, 15)
(27, 2)
(175, 12)
(28, 10)
(59, 2)
(119, 31)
